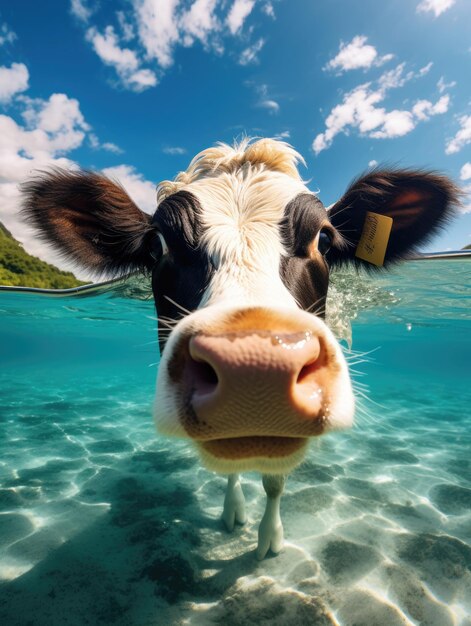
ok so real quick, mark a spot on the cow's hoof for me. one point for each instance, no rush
(234, 508)
(270, 537)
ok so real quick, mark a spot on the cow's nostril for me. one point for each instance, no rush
(314, 362)
(307, 371)
(202, 367)
(203, 376)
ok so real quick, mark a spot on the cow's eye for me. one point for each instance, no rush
(159, 247)
(325, 242)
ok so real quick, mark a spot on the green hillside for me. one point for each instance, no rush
(18, 268)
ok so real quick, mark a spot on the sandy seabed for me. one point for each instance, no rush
(102, 523)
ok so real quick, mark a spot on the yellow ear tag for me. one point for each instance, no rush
(374, 238)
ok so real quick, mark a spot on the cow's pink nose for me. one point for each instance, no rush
(256, 383)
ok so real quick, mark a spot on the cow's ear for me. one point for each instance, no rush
(90, 219)
(419, 203)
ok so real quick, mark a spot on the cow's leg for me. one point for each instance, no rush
(234, 503)
(270, 532)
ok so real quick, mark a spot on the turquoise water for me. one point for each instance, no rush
(104, 522)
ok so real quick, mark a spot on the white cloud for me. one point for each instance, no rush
(124, 60)
(465, 172)
(423, 109)
(268, 9)
(158, 28)
(443, 86)
(127, 29)
(249, 55)
(52, 127)
(199, 21)
(111, 147)
(141, 80)
(392, 79)
(462, 137)
(239, 12)
(164, 24)
(285, 134)
(465, 206)
(394, 123)
(80, 9)
(142, 191)
(58, 123)
(61, 114)
(426, 69)
(174, 150)
(271, 105)
(264, 101)
(360, 110)
(6, 35)
(437, 7)
(356, 55)
(13, 80)
(372, 163)
(96, 144)
(150, 31)
(107, 48)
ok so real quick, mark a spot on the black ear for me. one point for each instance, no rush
(419, 203)
(90, 219)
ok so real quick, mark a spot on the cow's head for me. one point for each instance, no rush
(240, 252)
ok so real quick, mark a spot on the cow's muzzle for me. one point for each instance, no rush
(258, 383)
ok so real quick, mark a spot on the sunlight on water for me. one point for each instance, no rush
(103, 521)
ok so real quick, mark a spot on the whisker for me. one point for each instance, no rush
(169, 322)
(172, 319)
(360, 385)
(147, 343)
(166, 326)
(358, 362)
(360, 353)
(182, 308)
(314, 304)
(318, 312)
(345, 208)
(369, 399)
(365, 416)
(365, 405)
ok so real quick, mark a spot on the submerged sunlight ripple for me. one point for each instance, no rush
(103, 521)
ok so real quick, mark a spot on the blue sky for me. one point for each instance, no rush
(138, 87)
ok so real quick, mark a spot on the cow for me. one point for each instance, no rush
(239, 251)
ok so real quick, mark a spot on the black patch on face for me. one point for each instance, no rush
(307, 281)
(184, 273)
(304, 274)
